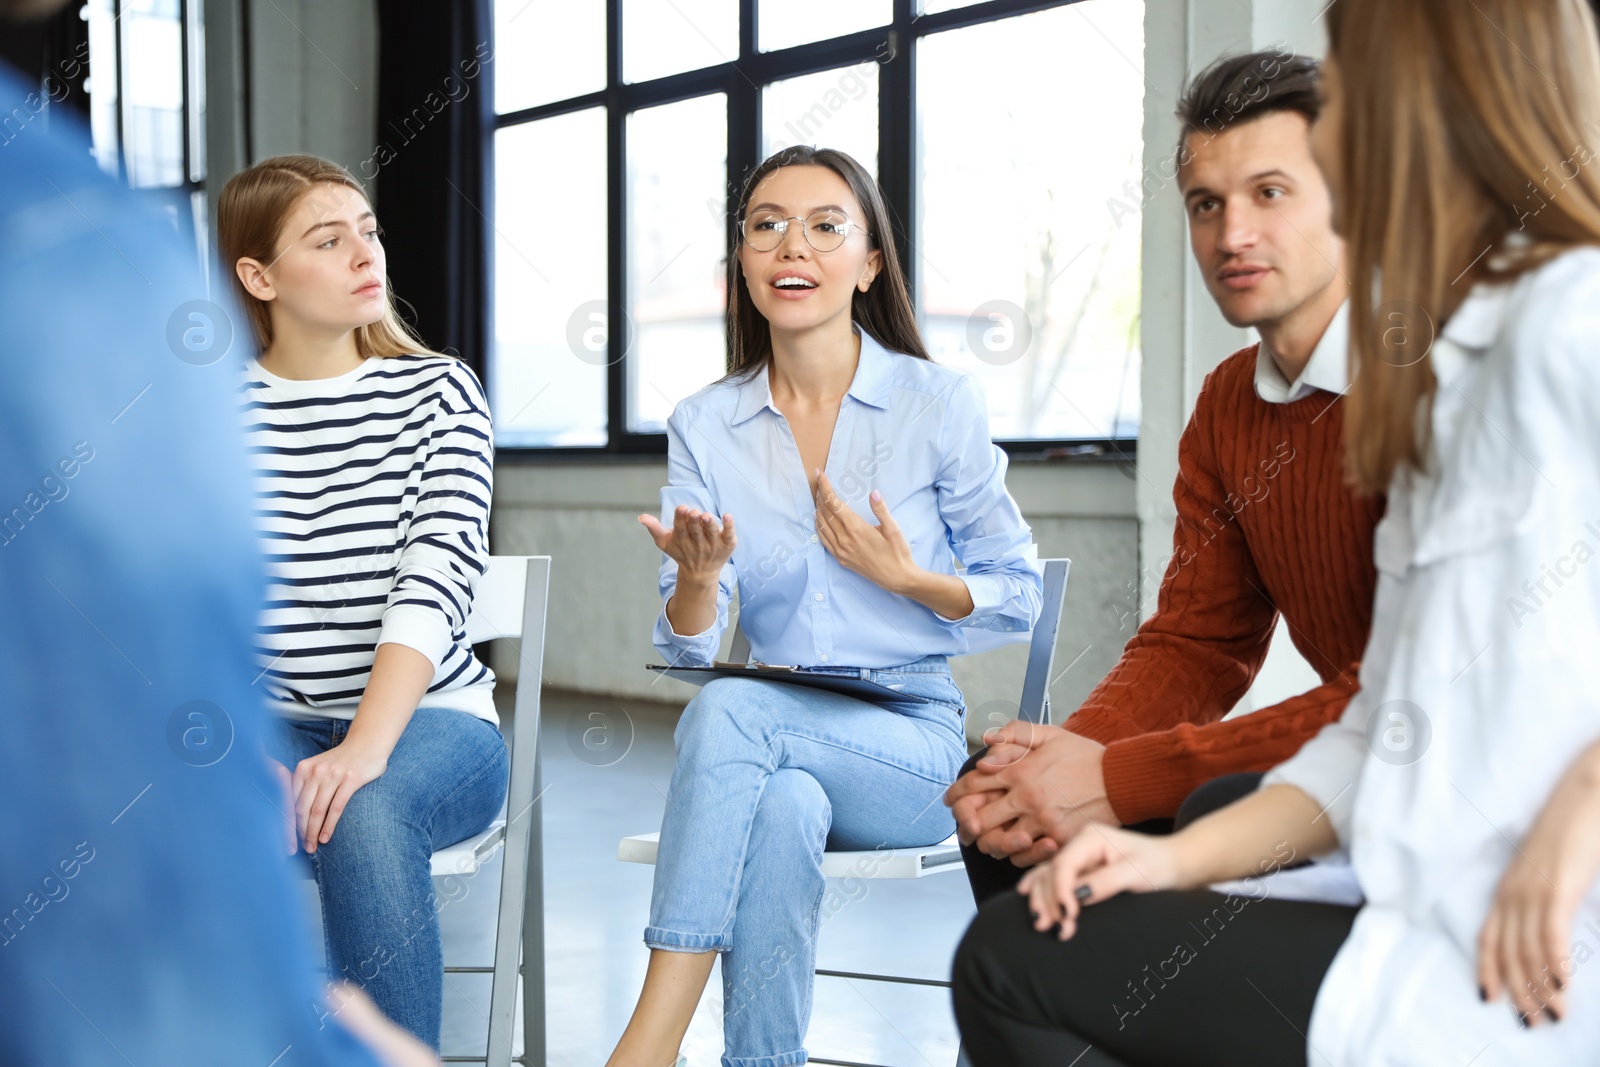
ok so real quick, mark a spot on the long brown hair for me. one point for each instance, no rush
(251, 211)
(884, 310)
(1462, 124)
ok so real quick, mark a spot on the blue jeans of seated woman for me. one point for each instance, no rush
(768, 775)
(446, 781)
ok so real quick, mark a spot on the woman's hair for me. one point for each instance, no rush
(1461, 124)
(884, 310)
(251, 212)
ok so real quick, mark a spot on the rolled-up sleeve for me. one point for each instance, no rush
(987, 531)
(686, 486)
(447, 541)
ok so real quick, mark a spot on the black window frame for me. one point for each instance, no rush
(742, 80)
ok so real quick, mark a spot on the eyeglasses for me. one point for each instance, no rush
(824, 230)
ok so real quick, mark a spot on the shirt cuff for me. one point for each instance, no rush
(680, 650)
(988, 594)
(417, 627)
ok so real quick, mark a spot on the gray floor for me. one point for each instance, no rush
(596, 908)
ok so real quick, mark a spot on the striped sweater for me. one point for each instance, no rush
(373, 502)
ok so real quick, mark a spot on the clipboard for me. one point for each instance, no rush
(860, 688)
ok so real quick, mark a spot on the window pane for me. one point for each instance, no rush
(152, 94)
(1029, 234)
(677, 238)
(782, 24)
(832, 109)
(548, 377)
(933, 7)
(661, 37)
(527, 71)
(197, 90)
(102, 90)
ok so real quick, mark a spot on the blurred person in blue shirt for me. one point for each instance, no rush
(146, 912)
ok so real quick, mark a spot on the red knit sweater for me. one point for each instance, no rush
(1265, 525)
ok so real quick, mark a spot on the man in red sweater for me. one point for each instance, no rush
(1266, 526)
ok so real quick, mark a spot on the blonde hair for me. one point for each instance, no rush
(1460, 126)
(250, 215)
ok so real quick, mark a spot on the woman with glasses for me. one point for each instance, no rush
(834, 477)
(1464, 779)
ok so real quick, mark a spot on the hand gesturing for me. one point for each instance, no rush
(694, 541)
(881, 554)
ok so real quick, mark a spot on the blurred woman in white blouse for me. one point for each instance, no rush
(1464, 781)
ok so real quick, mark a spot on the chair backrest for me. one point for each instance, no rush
(501, 596)
(1035, 705)
(510, 602)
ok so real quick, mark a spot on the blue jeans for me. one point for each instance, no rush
(768, 775)
(446, 781)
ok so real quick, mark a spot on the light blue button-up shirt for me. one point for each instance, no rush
(915, 431)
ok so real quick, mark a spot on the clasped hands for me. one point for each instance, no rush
(1032, 792)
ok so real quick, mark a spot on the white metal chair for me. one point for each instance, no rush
(510, 603)
(929, 859)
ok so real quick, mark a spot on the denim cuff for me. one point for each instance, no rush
(782, 1059)
(678, 941)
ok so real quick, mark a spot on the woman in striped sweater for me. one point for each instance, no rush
(374, 460)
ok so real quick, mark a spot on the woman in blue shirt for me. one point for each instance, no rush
(834, 476)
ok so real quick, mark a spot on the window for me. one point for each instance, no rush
(1029, 234)
(1007, 137)
(146, 93)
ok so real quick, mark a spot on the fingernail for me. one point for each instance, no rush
(877, 497)
(1083, 892)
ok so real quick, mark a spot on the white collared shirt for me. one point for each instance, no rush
(1327, 369)
(1479, 686)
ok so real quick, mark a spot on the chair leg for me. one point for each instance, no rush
(533, 996)
(519, 932)
(508, 944)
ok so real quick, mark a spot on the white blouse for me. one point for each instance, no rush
(1479, 687)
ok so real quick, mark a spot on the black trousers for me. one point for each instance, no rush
(1174, 979)
(1150, 979)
